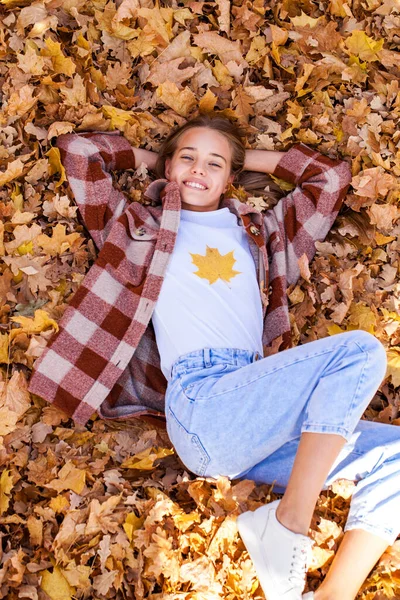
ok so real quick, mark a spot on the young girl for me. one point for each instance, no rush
(211, 274)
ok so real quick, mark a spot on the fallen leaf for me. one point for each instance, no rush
(56, 586)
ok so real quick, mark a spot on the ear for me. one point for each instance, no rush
(230, 181)
(167, 168)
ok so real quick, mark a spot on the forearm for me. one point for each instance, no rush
(262, 161)
(145, 156)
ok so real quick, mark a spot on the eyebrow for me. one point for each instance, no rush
(212, 153)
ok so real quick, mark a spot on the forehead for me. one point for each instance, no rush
(203, 138)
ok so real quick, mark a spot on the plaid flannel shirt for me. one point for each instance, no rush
(104, 357)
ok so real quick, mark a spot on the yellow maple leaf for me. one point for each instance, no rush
(393, 365)
(59, 504)
(142, 46)
(118, 117)
(334, 329)
(40, 322)
(2, 248)
(277, 51)
(109, 21)
(361, 45)
(75, 95)
(56, 586)
(17, 197)
(213, 266)
(59, 242)
(61, 64)
(257, 50)
(132, 524)
(362, 317)
(56, 165)
(181, 101)
(303, 20)
(182, 14)
(207, 102)
(69, 478)
(6, 486)
(145, 460)
(159, 21)
(382, 240)
(221, 74)
(4, 348)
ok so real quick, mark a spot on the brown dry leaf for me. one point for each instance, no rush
(103, 582)
(21, 102)
(31, 62)
(59, 242)
(181, 102)
(373, 183)
(69, 478)
(126, 517)
(102, 516)
(383, 216)
(303, 263)
(13, 171)
(213, 43)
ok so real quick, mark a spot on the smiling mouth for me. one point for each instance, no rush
(194, 186)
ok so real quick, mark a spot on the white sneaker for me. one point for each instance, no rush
(279, 555)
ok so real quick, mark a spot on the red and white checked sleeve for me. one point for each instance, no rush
(307, 213)
(88, 159)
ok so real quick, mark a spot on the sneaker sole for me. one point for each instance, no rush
(253, 543)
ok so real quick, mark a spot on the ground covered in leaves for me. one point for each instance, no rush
(108, 511)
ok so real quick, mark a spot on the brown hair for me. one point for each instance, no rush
(251, 181)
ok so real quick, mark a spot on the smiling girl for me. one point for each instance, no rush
(207, 278)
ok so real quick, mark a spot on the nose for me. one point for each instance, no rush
(197, 168)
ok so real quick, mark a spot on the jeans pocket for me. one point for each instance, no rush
(187, 445)
(193, 380)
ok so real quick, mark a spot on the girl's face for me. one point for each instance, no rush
(201, 165)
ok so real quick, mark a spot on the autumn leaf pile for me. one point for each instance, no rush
(108, 511)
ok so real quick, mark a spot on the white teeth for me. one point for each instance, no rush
(195, 185)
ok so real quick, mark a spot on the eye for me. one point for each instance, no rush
(185, 156)
(216, 165)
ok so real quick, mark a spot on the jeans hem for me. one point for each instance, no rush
(386, 534)
(329, 429)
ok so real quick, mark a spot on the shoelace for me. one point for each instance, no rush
(301, 558)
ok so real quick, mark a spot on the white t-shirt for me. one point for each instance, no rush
(210, 296)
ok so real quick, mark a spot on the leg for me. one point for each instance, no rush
(243, 414)
(298, 503)
(371, 458)
(357, 555)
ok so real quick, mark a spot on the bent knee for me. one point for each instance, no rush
(370, 344)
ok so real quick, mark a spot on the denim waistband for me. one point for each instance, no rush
(213, 356)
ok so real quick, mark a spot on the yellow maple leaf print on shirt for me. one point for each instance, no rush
(214, 266)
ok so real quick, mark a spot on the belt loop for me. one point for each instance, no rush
(207, 358)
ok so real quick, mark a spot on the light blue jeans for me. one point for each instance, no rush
(230, 412)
